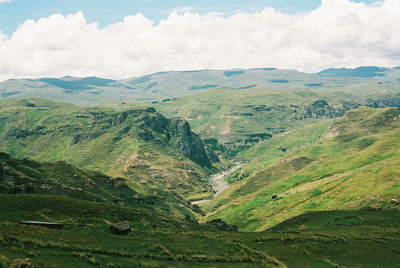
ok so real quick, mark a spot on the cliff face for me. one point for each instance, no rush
(190, 143)
(154, 127)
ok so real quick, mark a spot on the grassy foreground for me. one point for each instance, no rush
(363, 238)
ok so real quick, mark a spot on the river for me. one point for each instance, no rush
(218, 183)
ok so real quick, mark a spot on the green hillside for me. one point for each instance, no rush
(61, 179)
(361, 238)
(308, 166)
(348, 164)
(139, 144)
(231, 120)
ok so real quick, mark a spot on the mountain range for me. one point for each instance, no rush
(167, 85)
(238, 168)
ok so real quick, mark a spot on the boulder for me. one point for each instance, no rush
(22, 263)
(274, 196)
(121, 228)
(303, 227)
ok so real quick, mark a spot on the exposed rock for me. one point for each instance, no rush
(303, 228)
(190, 143)
(274, 196)
(394, 202)
(22, 263)
(321, 108)
(320, 104)
(121, 228)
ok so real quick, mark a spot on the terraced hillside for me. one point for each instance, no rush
(346, 164)
(139, 144)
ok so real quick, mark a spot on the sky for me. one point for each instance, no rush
(121, 39)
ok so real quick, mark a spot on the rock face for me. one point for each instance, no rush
(150, 126)
(121, 228)
(190, 143)
(321, 108)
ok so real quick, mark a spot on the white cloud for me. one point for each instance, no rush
(338, 33)
(182, 9)
(5, 1)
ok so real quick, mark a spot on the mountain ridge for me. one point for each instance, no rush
(175, 84)
(138, 143)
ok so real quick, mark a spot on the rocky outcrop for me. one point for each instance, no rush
(121, 228)
(190, 143)
(321, 108)
(394, 202)
(383, 102)
(149, 126)
(22, 263)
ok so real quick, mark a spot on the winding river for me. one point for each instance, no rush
(218, 183)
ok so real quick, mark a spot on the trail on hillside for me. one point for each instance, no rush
(218, 183)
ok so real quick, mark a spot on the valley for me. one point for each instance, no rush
(218, 183)
(238, 168)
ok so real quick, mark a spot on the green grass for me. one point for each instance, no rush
(62, 179)
(159, 240)
(138, 144)
(239, 119)
(353, 164)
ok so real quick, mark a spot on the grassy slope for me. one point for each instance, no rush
(354, 164)
(61, 179)
(45, 130)
(343, 238)
(238, 116)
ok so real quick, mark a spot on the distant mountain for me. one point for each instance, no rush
(367, 71)
(167, 85)
(72, 84)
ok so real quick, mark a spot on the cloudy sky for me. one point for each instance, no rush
(125, 38)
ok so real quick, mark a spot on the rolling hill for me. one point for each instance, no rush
(139, 144)
(59, 179)
(349, 163)
(168, 85)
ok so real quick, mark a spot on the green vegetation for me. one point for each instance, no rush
(231, 120)
(348, 164)
(139, 144)
(160, 240)
(61, 179)
(318, 183)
